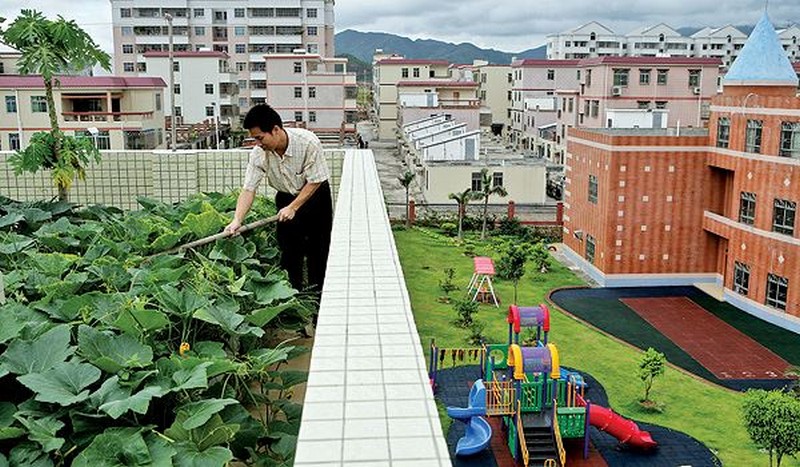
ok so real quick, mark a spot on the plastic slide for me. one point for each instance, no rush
(479, 432)
(626, 431)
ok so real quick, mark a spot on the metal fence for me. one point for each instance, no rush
(541, 214)
(123, 176)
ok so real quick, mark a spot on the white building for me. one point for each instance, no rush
(205, 87)
(657, 41)
(440, 138)
(588, 40)
(245, 31)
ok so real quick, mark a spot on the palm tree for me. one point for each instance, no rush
(485, 192)
(405, 180)
(50, 47)
(463, 198)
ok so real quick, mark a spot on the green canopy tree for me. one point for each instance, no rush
(462, 199)
(49, 48)
(405, 180)
(485, 192)
(771, 419)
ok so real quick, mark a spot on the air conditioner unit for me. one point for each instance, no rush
(696, 91)
(616, 91)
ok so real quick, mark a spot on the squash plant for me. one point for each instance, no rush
(110, 360)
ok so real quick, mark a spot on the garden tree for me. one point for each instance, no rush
(445, 284)
(540, 257)
(772, 419)
(485, 192)
(651, 366)
(465, 309)
(48, 48)
(462, 199)
(405, 180)
(512, 263)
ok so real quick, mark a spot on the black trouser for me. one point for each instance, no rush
(306, 237)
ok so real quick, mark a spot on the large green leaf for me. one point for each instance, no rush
(29, 455)
(214, 432)
(52, 264)
(262, 316)
(136, 320)
(224, 314)
(116, 447)
(39, 355)
(188, 455)
(115, 399)
(191, 378)
(161, 452)
(64, 384)
(66, 287)
(267, 293)
(12, 244)
(7, 411)
(11, 219)
(43, 431)
(112, 353)
(201, 411)
(207, 223)
(57, 235)
(11, 325)
(111, 272)
(232, 249)
(182, 302)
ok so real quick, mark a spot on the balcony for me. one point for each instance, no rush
(107, 116)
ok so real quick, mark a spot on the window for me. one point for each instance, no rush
(790, 139)
(127, 31)
(298, 93)
(199, 31)
(497, 179)
(141, 66)
(298, 116)
(661, 104)
(747, 208)
(723, 132)
(477, 180)
(621, 77)
(595, 108)
(124, 12)
(128, 67)
(298, 67)
(209, 111)
(127, 48)
(158, 101)
(404, 72)
(209, 88)
(240, 48)
(694, 78)
(551, 75)
(176, 66)
(311, 30)
(178, 111)
(312, 116)
(238, 12)
(741, 278)
(38, 104)
(241, 66)
(312, 92)
(176, 88)
(416, 72)
(243, 102)
(311, 12)
(753, 136)
(644, 77)
(783, 216)
(13, 141)
(590, 248)
(239, 31)
(593, 189)
(644, 105)
(199, 12)
(662, 77)
(777, 291)
(11, 104)
(242, 84)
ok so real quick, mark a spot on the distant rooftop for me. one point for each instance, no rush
(684, 131)
(409, 61)
(198, 53)
(615, 60)
(545, 62)
(762, 61)
(103, 82)
(445, 83)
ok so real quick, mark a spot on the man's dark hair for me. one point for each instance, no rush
(264, 117)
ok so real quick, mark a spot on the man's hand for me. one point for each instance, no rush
(233, 227)
(286, 214)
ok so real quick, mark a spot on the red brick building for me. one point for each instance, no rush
(690, 206)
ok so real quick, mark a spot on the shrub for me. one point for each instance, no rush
(465, 310)
(772, 419)
(450, 229)
(651, 366)
(447, 285)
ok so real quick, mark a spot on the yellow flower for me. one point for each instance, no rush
(184, 348)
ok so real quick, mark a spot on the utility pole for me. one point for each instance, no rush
(173, 117)
(216, 123)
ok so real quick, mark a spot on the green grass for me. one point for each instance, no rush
(705, 411)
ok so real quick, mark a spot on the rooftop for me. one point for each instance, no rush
(187, 54)
(410, 61)
(687, 131)
(545, 62)
(613, 60)
(439, 83)
(103, 82)
(762, 61)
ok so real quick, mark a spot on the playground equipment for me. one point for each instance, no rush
(481, 282)
(539, 403)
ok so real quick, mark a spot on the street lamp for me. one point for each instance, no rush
(94, 132)
(216, 123)
(172, 119)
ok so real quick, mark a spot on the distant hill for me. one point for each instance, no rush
(362, 69)
(362, 45)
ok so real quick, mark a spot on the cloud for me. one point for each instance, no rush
(510, 25)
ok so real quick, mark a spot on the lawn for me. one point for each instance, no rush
(705, 411)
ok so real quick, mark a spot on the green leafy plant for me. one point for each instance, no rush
(540, 257)
(476, 336)
(652, 365)
(465, 311)
(771, 419)
(449, 229)
(486, 191)
(48, 48)
(446, 284)
(462, 199)
(512, 263)
(405, 180)
(108, 359)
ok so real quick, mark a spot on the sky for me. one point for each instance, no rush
(507, 25)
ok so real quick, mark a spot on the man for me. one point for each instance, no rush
(293, 162)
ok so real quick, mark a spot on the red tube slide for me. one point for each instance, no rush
(626, 431)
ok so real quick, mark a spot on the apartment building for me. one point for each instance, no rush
(388, 71)
(127, 112)
(310, 89)
(205, 85)
(593, 40)
(245, 32)
(8, 60)
(456, 99)
(494, 83)
(715, 208)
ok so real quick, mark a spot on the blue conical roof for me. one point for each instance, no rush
(762, 61)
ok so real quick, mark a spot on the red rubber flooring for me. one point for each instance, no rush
(718, 346)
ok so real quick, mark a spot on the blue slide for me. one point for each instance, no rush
(479, 432)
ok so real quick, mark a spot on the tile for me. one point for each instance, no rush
(367, 392)
(412, 448)
(400, 363)
(321, 429)
(363, 363)
(329, 341)
(324, 394)
(365, 450)
(326, 364)
(409, 408)
(362, 319)
(398, 350)
(328, 352)
(395, 328)
(364, 377)
(362, 339)
(371, 329)
(364, 409)
(365, 428)
(322, 411)
(326, 378)
(409, 427)
(318, 451)
(402, 377)
(332, 329)
(406, 391)
(420, 463)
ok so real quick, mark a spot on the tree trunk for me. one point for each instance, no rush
(63, 194)
(460, 220)
(485, 215)
(408, 218)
